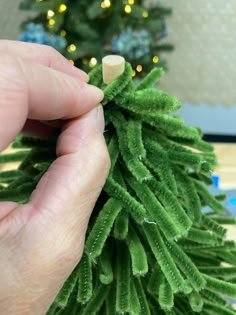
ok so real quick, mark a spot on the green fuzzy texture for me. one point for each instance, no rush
(85, 277)
(149, 248)
(164, 258)
(155, 210)
(221, 286)
(137, 253)
(166, 296)
(135, 307)
(95, 303)
(155, 280)
(110, 303)
(102, 227)
(135, 208)
(157, 160)
(121, 226)
(63, 296)
(142, 298)
(106, 273)
(213, 226)
(135, 141)
(196, 302)
(13, 157)
(123, 275)
(151, 79)
(213, 309)
(190, 198)
(225, 273)
(186, 265)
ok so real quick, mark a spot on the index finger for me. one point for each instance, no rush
(33, 91)
(42, 54)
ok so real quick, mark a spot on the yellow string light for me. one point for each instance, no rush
(51, 22)
(71, 61)
(85, 61)
(50, 14)
(145, 14)
(155, 59)
(63, 33)
(62, 8)
(71, 48)
(133, 73)
(105, 4)
(139, 68)
(92, 62)
(128, 9)
(131, 2)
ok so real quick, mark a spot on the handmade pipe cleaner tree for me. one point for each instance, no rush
(150, 249)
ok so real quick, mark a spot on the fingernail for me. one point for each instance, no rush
(100, 118)
(85, 75)
(96, 93)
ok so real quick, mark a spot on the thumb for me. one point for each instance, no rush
(66, 194)
(48, 233)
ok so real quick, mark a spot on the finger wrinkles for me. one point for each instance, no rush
(11, 75)
(13, 99)
(55, 95)
(42, 54)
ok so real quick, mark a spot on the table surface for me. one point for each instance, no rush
(226, 168)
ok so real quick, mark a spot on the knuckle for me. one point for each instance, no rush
(55, 56)
(7, 60)
(13, 73)
(50, 50)
(104, 161)
(37, 52)
(68, 248)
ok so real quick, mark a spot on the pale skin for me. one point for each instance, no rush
(41, 242)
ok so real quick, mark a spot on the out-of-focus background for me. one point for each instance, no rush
(10, 19)
(201, 69)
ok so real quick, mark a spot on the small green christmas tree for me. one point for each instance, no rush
(149, 247)
(85, 31)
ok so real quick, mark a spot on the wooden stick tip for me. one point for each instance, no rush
(112, 67)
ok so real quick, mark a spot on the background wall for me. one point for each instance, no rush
(10, 19)
(203, 66)
(202, 69)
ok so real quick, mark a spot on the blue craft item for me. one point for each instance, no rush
(216, 181)
(230, 203)
(233, 201)
(35, 33)
(132, 44)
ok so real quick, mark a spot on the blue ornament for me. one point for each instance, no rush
(35, 33)
(132, 44)
(58, 42)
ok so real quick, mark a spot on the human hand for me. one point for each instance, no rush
(41, 242)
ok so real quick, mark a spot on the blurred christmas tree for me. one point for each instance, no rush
(86, 31)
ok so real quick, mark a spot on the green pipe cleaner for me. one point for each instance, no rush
(149, 248)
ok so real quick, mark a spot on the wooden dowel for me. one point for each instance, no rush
(112, 67)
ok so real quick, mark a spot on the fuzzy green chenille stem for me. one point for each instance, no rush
(149, 247)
